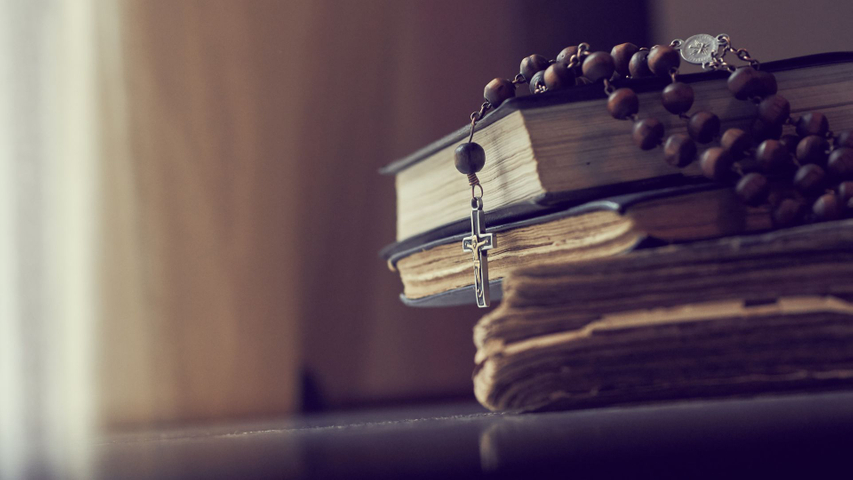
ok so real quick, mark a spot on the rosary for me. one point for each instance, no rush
(812, 166)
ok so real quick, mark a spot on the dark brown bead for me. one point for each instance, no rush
(844, 139)
(558, 76)
(787, 213)
(498, 90)
(736, 141)
(768, 83)
(470, 158)
(716, 164)
(679, 150)
(598, 66)
(703, 126)
(639, 65)
(774, 110)
(840, 163)
(623, 103)
(745, 83)
(532, 64)
(764, 131)
(790, 141)
(828, 207)
(771, 155)
(812, 123)
(565, 54)
(663, 60)
(812, 149)
(648, 133)
(845, 194)
(677, 97)
(753, 189)
(810, 179)
(537, 81)
(622, 57)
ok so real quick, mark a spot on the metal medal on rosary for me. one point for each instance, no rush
(470, 159)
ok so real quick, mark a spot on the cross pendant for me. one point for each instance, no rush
(478, 244)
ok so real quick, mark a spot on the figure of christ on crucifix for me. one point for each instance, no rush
(478, 244)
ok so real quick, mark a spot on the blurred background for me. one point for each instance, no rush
(190, 210)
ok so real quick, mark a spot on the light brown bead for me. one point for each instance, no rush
(677, 97)
(498, 90)
(532, 64)
(558, 76)
(812, 149)
(753, 189)
(470, 158)
(565, 54)
(828, 207)
(679, 150)
(703, 126)
(639, 65)
(745, 83)
(736, 141)
(716, 164)
(598, 66)
(774, 110)
(787, 213)
(810, 179)
(812, 123)
(772, 155)
(648, 133)
(840, 163)
(622, 54)
(537, 81)
(623, 103)
(663, 59)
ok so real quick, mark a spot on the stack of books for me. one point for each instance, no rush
(620, 278)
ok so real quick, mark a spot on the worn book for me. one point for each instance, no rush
(736, 316)
(563, 148)
(438, 272)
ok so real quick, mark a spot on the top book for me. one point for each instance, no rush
(564, 148)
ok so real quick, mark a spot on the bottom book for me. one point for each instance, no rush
(738, 316)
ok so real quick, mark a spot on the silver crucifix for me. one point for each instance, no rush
(478, 244)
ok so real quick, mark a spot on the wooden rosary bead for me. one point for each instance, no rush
(812, 149)
(787, 213)
(790, 142)
(745, 83)
(470, 158)
(623, 103)
(774, 110)
(565, 54)
(768, 83)
(736, 141)
(532, 64)
(844, 139)
(716, 163)
(762, 130)
(771, 155)
(639, 65)
(537, 81)
(498, 90)
(598, 66)
(677, 98)
(840, 163)
(810, 179)
(663, 59)
(648, 133)
(828, 207)
(558, 76)
(812, 123)
(703, 126)
(753, 189)
(679, 150)
(622, 57)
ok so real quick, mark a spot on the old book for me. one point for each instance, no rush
(438, 272)
(564, 147)
(742, 315)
